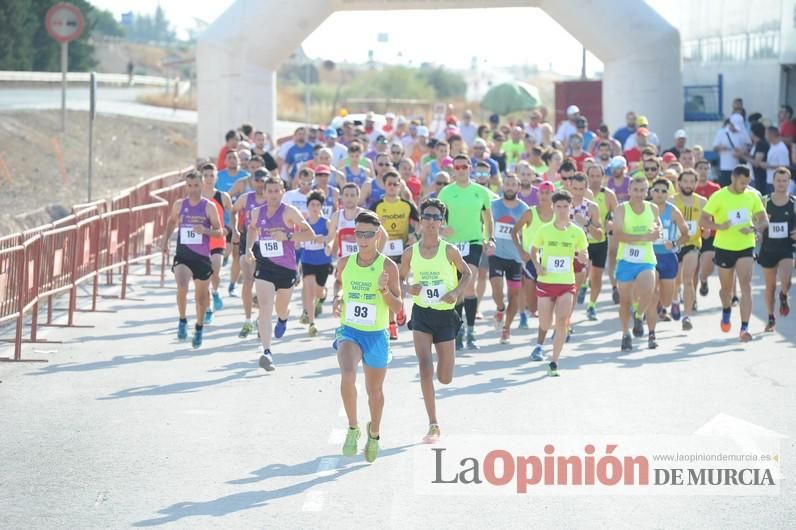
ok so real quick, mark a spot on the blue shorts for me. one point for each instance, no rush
(628, 272)
(529, 270)
(375, 345)
(667, 265)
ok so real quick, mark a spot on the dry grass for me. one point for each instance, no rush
(161, 99)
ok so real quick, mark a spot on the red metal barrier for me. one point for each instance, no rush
(12, 300)
(11, 241)
(114, 243)
(56, 270)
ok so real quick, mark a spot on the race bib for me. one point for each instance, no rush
(464, 248)
(739, 217)
(327, 210)
(270, 248)
(349, 247)
(394, 247)
(312, 245)
(503, 230)
(189, 237)
(558, 264)
(633, 254)
(778, 230)
(359, 313)
(432, 294)
(692, 227)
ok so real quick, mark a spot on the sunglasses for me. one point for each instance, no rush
(441, 183)
(459, 167)
(660, 190)
(525, 185)
(396, 152)
(481, 174)
(650, 169)
(431, 217)
(393, 184)
(566, 179)
(367, 234)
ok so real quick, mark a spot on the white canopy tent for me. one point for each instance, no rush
(238, 56)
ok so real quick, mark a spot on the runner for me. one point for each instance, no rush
(399, 217)
(297, 198)
(331, 193)
(242, 211)
(556, 247)
(523, 234)
(690, 205)
(316, 264)
(776, 252)
(198, 221)
(366, 288)
(705, 188)
(735, 213)
(433, 264)
(598, 247)
(506, 261)
(637, 225)
(469, 218)
(619, 183)
(586, 215)
(218, 245)
(674, 234)
(274, 228)
(355, 168)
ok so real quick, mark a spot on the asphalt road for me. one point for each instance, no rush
(126, 427)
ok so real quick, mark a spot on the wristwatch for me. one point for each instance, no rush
(289, 236)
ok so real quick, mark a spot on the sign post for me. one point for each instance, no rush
(92, 113)
(64, 23)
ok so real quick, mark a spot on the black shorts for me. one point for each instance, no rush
(529, 270)
(770, 258)
(505, 268)
(242, 245)
(281, 277)
(395, 259)
(201, 268)
(215, 251)
(598, 254)
(474, 256)
(228, 233)
(442, 325)
(726, 259)
(707, 245)
(683, 251)
(321, 272)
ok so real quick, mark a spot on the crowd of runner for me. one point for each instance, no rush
(399, 212)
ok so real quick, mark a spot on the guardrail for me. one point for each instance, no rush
(97, 238)
(8, 76)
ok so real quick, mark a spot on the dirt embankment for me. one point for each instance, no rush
(44, 172)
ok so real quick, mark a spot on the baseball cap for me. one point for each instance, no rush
(422, 130)
(642, 121)
(547, 186)
(617, 162)
(330, 132)
(669, 157)
(389, 116)
(572, 109)
(369, 116)
(642, 131)
(494, 118)
(680, 133)
(479, 142)
(381, 139)
(260, 174)
(322, 170)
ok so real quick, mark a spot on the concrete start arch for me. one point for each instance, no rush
(239, 54)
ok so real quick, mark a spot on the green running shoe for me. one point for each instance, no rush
(350, 444)
(552, 370)
(247, 328)
(371, 447)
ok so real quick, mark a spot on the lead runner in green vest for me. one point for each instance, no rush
(435, 287)
(367, 288)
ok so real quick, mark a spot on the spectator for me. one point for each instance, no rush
(737, 108)
(622, 134)
(778, 155)
(534, 127)
(231, 145)
(757, 157)
(567, 127)
(680, 138)
(652, 138)
(730, 142)
(787, 125)
(467, 129)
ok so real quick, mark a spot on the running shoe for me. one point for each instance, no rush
(267, 361)
(400, 318)
(703, 288)
(638, 325)
(318, 307)
(726, 325)
(570, 331)
(471, 345)
(505, 336)
(784, 306)
(499, 318)
(651, 342)
(208, 316)
(305, 319)
(247, 328)
(745, 336)
(478, 315)
(552, 369)
(393, 331)
(615, 294)
(197, 337)
(627, 342)
(663, 316)
(231, 290)
(694, 306)
(460, 339)
(735, 301)
(280, 328)
(218, 302)
(591, 312)
(772, 324)
(582, 294)
(433, 434)
(687, 325)
(676, 310)
(371, 447)
(536, 355)
(523, 320)
(182, 330)
(350, 444)
(312, 330)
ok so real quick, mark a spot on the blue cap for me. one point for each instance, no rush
(330, 132)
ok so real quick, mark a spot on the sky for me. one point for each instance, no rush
(497, 49)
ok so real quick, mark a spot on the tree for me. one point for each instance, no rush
(104, 23)
(16, 40)
(446, 84)
(396, 82)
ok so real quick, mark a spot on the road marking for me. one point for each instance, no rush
(326, 466)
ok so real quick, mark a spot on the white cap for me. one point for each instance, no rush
(401, 120)
(389, 116)
(572, 109)
(680, 133)
(422, 130)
